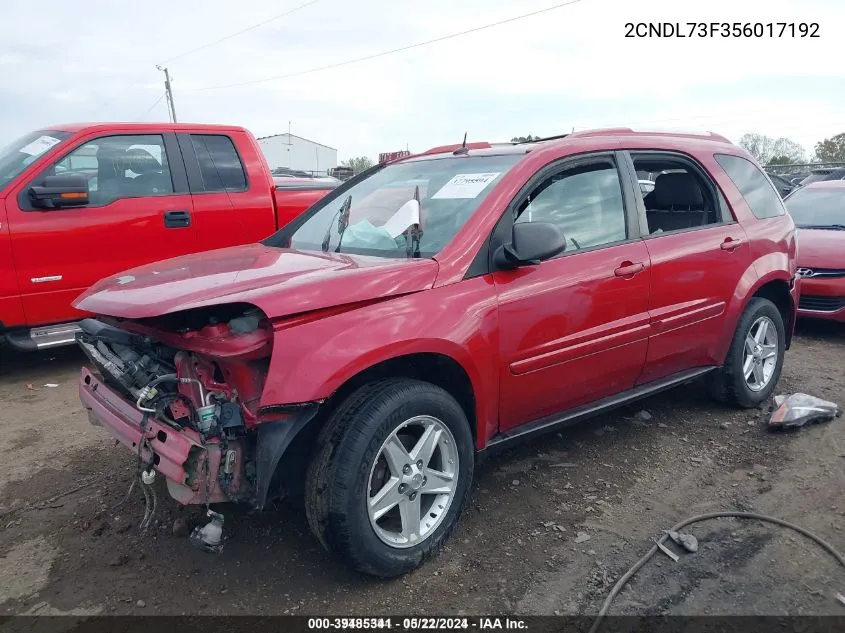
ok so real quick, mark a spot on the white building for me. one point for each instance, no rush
(290, 151)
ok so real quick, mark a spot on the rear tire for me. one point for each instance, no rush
(390, 476)
(755, 359)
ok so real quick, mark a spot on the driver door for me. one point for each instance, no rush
(574, 329)
(139, 212)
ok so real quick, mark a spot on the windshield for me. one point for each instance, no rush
(817, 207)
(17, 156)
(377, 216)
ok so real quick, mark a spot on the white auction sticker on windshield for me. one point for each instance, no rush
(39, 145)
(465, 185)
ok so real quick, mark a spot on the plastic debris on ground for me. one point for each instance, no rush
(687, 541)
(208, 538)
(797, 409)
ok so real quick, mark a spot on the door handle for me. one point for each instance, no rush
(177, 219)
(628, 269)
(730, 244)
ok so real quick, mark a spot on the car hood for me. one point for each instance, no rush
(280, 282)
(819, 248)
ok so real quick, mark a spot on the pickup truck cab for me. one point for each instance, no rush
(435, 309)
(80, 202)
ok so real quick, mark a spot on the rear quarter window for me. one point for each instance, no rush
(220, 165)
(759, 192)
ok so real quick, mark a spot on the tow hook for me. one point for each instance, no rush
(208, 537)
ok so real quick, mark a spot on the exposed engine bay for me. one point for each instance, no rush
(211, 401)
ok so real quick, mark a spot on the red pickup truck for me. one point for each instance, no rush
(81, 202)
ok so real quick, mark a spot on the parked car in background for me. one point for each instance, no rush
(824, 173)
(435, 309)
(79, 202)
(818, 210)
(783, 186)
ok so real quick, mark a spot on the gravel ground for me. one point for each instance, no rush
(550, 527)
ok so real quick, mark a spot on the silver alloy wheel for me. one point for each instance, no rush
(760, 353)
(412, 481)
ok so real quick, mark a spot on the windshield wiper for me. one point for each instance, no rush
(832, 227)
(342, 216)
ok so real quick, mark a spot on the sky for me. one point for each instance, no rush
(570, 67)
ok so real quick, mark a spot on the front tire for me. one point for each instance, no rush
(389, 478)
(755, 359)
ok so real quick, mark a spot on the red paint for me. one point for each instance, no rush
(570, 331)
(820, 250)
(533, 341)
(280, 282)
(85, 244)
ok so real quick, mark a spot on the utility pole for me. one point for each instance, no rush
(171, 107)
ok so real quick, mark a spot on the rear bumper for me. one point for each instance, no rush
(180, 458)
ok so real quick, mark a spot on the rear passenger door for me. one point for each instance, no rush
(229, 208)
(698, 255)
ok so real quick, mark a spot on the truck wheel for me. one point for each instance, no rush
(755, 359)
(389, 478)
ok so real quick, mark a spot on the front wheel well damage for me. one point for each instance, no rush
(437, 369)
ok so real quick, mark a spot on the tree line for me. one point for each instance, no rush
(767, 150)
(783, 151)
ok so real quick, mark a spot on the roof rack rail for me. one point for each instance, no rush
(614, 131)
(545, 138)
(443, 149)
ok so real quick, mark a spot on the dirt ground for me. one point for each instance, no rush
(619, 479)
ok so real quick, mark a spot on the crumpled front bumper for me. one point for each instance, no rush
(181, 458)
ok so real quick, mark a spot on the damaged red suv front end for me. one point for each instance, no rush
(183, 413)
(180, 379)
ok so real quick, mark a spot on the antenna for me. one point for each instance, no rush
(463, 149)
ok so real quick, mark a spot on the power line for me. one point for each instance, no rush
(150, 109)
(116, 96)
(241, 32)
(389, 52)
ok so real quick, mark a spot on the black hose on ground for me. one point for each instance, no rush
(697, 519)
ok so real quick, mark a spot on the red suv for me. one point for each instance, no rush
(433, 309)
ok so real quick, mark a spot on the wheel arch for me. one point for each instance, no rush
(776, 286)
(437, 368)
(777, 290)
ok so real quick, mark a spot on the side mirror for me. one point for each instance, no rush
(60, 191)
(532, 242)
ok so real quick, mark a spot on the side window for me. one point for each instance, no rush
(677, 197)
(220, 166)
(118, 167)
(758, 191)
(585, 202)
